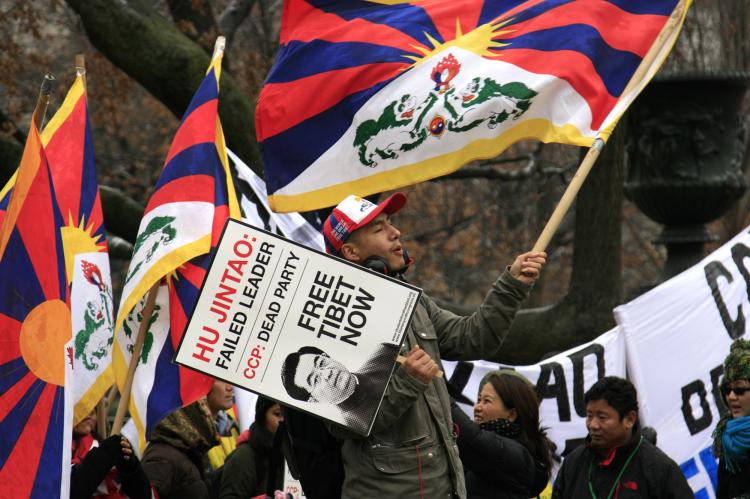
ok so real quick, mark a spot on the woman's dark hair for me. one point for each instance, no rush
(518, 393)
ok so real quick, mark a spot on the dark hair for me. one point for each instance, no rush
(289, 369)
(618, 392)
(262, 405)
(516, 392)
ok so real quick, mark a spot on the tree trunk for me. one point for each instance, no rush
(157, 55)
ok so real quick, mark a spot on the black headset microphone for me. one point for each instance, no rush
(381, 265)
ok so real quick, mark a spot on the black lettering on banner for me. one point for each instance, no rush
(716, 374)
(695, 425)
(576, 358)
(714, 270)
(558, 390)
(740, 253)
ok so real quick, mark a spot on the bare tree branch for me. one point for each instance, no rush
(167, 64)
(451, 229)
(122, 215)
(232, 17)
(196, 20)
(119, 248)
(9, 127)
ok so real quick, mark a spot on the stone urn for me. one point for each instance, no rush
(685, 148)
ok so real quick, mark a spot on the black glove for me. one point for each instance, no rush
(87, 476)
(127, 466)
(112, 449)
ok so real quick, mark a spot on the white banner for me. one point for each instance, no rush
(292, 323)
(560, 382)
(677, 336)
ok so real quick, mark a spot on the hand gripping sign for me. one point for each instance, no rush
(301, 327)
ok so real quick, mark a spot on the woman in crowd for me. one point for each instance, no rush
(732, 434)
(249, 467)
(107, 468)
(506, 454)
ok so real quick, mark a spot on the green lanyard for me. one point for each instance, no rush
(619, 475)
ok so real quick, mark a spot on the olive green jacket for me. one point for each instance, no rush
(412, 444)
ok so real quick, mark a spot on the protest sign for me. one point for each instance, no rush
(560, 381)
(677, 336)
(301, 327)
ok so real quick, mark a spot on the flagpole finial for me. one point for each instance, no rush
(80, 65)
(219, 47)
(46, 88)
(40, 110)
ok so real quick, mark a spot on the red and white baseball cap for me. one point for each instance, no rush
(351, 214)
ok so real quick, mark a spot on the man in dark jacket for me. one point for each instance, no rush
(411, 450)
(616, 461)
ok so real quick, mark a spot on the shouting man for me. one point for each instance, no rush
(411, 449)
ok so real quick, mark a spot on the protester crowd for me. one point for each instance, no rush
(421, 443)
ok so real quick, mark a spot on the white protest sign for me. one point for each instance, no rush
(560, 382)
(677, 336)
(293, 324)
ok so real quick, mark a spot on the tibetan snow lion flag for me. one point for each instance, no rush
(181, 225)
(35, 334)
(68, 146)
(369, 96)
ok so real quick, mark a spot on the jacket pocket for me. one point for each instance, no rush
(395, 460)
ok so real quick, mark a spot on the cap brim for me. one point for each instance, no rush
(391, 205)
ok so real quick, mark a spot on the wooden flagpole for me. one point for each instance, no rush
(81, 67)
(569, 196)
(588, 161)
(40, 110)
(148, 311)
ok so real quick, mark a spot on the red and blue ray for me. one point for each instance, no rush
(336, 55)
(71, 157)
(32, 273)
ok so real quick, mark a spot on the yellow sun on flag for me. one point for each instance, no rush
(480, 41)
(78, 239)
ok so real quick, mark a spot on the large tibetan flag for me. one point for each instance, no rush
(35, 333)
(368, 96)
(68, 145)
(182, 223)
